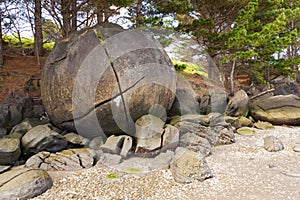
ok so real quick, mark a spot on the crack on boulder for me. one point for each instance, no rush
(79, 158)
(13, 177)
(104, 102)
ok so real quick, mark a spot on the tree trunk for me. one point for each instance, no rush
(74, 15)
(38, 34)
(138, 13)
(232, 79)
(66, 14)
(1, 44)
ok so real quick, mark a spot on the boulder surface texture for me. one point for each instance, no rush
(103, 79)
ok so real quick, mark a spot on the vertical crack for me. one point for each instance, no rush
(119, 86)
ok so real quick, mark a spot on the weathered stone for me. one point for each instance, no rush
(227, 136)
(214, 101)
(186, 100)
(263, 125)
(281, 109)
(285, 86)
(24, 183)
(20, 129)
(117, 145)
(14, 110)
(244, 121)
(162, 161)
(196, 143)
(188, 165)
(10, 150)
(238, 105)
(198, 119)
(170, 139)
(246, 131)
(118, 80)
(76, 139)
(273, 144)
(42, 138)
(68, 160)
(149, 131)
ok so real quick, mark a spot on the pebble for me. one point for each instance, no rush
(297, 147)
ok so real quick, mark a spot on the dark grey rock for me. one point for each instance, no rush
(42, 138)
(188, 165)
(24, 183)
(285, 86)
(128, 61)
(14, 110)
(10, 150)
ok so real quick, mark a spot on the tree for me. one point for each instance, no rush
(258, 38)
(38, 33)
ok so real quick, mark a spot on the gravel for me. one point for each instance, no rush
(244, 170)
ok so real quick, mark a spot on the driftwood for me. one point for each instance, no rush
(262, 93)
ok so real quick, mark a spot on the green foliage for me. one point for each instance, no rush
(112, 176)
(27, 42)
(189, 68)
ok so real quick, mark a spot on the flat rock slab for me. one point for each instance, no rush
(24, 183)
(279, 110)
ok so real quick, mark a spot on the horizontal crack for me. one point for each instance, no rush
(104, 102)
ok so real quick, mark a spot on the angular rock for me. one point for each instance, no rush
(117, 145)
(162, 161)
(149, 131)
(42, 138)
(238, 105)
(188, 166)
(170, 139)
(279, 110)
(66, 160)
(273, 144)
(10, 150)
(76, 139)
(129, 61)
(24, 183)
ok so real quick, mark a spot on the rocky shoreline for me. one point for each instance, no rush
(242, 170)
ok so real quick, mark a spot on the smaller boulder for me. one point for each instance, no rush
(246, 131)
(263, 125)
(120, 145)
(42, 138)
(162, 161)
(149, 131)
(10, 150)
(238, 105)
(273, 144)
(24, 183)
(188, 165)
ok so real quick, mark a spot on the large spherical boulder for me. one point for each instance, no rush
(103, 79)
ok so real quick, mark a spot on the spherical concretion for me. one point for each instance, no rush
(103, 79)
